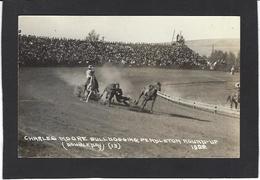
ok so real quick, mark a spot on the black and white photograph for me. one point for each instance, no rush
(128, 86)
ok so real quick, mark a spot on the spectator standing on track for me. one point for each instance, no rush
(232, 71)
(237, 85)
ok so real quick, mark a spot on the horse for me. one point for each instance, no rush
(149, 93)
(234, 99)
(91, 87)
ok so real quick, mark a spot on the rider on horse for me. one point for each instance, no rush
(91, 84)
(90, 73)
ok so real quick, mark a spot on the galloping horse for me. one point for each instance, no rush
(234, 99)
(150, 93)
(91, 87)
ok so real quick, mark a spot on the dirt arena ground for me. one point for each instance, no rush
(47, 107)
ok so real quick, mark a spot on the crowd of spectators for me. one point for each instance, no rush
(44, 51)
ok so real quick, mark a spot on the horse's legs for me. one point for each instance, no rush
(102, 94)
(111, 95)
(144, 104)
(89, 94)
(85, 88)
(142, 93)
(153, 104)
(235, 104)
(231, 103)
(228, 98)
(83, 93)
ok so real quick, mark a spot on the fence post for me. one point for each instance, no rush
(215, 109)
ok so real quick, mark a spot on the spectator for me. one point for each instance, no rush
(34, 51)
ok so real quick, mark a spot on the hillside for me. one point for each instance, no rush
(204, 46)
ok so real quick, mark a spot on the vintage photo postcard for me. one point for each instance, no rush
(128, 86)
(130, 89)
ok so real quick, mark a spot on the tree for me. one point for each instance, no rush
(231, 59)
(92, 36)
(217, 55)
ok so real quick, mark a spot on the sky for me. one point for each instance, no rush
(149, 29)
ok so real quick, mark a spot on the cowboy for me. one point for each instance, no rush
(110, 91)
(114, 90)
(119, 95)
(90, 72)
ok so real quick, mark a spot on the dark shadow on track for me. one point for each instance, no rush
(137, 109)
(187, 117)
(131, 108)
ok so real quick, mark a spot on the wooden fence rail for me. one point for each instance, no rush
(202, 106)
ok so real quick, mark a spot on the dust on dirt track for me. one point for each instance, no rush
(47, 107)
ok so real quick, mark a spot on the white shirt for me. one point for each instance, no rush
(89, 73)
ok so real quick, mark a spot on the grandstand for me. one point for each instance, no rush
(44, 51)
